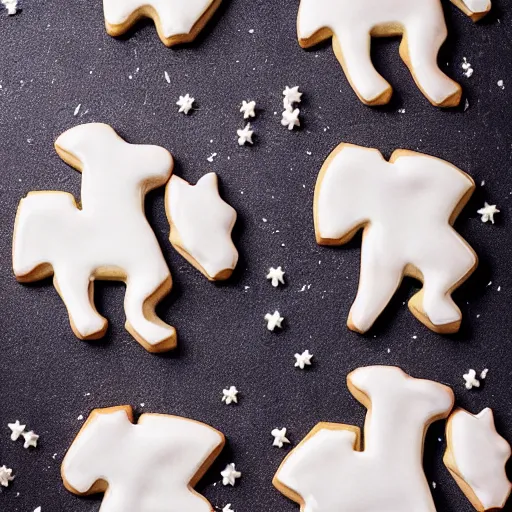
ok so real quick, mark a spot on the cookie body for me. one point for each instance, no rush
(107, 236)
(177, 21)
(476, 456)
(201, 225)
(352, 24)
(406, 207)
(150, 466)
(327, 472)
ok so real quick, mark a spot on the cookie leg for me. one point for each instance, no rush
(76, 292)
(353, 52)
(143, 293)
(378, 282)
(419, 50)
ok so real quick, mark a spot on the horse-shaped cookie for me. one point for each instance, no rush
(177, 21)
(351, 24)
(201, 225)
(406, 207)
(107, 236)
(328, 472)
(151, 466)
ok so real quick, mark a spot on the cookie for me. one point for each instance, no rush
(328, 471)
(176, 21)
(352, 24)
(476, 456)
(150, 466)
(105, 237)
(201, 225)
(406, 207)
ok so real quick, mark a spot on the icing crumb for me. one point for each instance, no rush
(185, 103)
(228, 508)
(303, 360)
(471, 380)
(276, 275)
(30, 440)
(280, 438)
(291, 96)
(468, 70)
(466, 105)
(434, 485)
(167, 77)
(290, 117)
(245, 135)
(274, 320)
(484, 373)
(248, 109)
(229, 395)
(251, 31)
(488, 212)
(501, 84)
(6, 476)
(80, 418)
(401, 110)
(11, 6)
(230, 475)
(211, 157)
(77, 110)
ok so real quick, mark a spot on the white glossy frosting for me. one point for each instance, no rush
(326, 473)
(148, 467)
(177, 17)
(202, 221)
(480, 455)
(107, 237)
(352, 22)
(406, 206)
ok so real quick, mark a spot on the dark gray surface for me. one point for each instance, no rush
(55, 55)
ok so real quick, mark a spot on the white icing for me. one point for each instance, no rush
(480, 455)
(406, 207)
(329, 475)
(108, 237)
(203, 222)
(470, 380)
(352, 22)
(148, 466)
(176, 16)
(478, 6)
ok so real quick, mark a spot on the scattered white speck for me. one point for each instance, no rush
(468, 70)
(308, 153)
(77, 110)
(211, 157)
(142, 404)
(483, 183)
(499, 288)
(80, 418)
(415, 337)
(401, 110)
(389, 351)
(251, 31)
(264, 220)
(167, 77)
(54, 456)
(466, 105)
(434, 485)
(501, 84)
(484, 373)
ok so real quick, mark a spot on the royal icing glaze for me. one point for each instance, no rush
(406, 207)
(201, 225)
(327, 472)
(176, 21)
(106, 237)
(351, 25)
(476, 457)
(151, 466)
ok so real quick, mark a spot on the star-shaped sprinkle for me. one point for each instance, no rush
(17, 429)
(274, 320)
(228, 508)
(291, 96)
(30, 439)
(229, 395)
(185, 103)
(280, 438)
(291, 118)
(6, 476)
(230, 475)
(245, 135)
(471, 380)
(276, 275)
(248, 109)
(303, 360)
(488, 212)
(11, 6)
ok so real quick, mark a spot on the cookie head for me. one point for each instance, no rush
(201, 224)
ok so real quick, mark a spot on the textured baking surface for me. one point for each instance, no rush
(56, 55)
